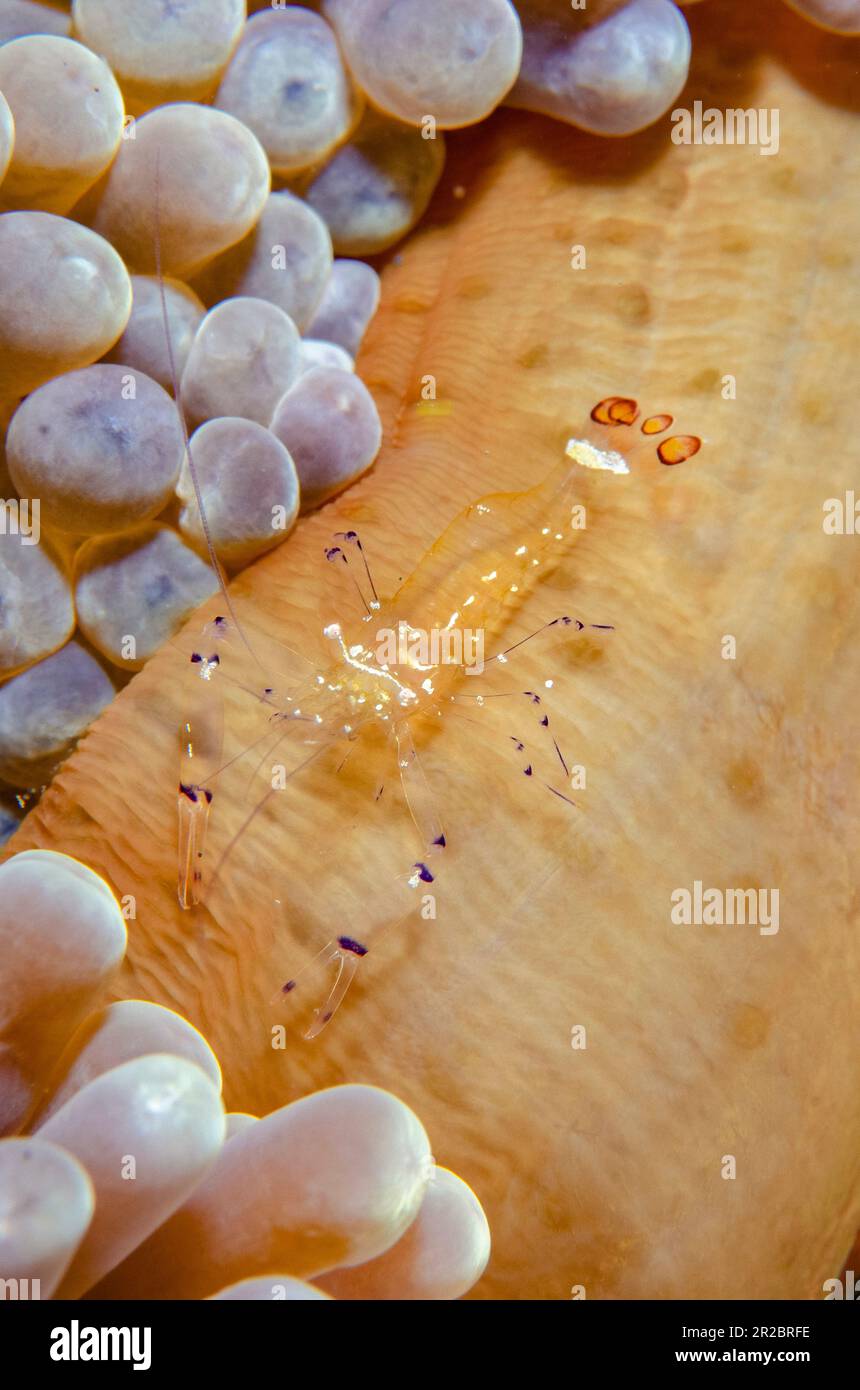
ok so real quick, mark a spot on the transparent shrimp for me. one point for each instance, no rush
(434, 652)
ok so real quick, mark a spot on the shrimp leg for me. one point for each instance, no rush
(416, 789)
(339, 958)
(201, 739)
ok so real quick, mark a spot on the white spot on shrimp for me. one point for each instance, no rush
(587, 456)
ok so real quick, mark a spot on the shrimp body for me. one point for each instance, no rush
(407, 658)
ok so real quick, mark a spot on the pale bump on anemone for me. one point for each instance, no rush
(19, 18)
(294, 281)
(349, 301)
(142, 346)
(45, 709)
(377, 186)
(134, 588)
(249, 485)
(65, 297)
(101, 448)
(37, 612)
(452, 61)
(203, 172)
(162, 53)
(244, 356)
(287, 82)
(329, 423)
(68, 113)
(612, 77)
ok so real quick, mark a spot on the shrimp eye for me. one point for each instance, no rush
(678, 448)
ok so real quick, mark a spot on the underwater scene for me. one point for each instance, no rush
(429, 720)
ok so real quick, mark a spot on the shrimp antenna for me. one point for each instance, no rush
(336, 552)
(519, 745)
(502, 656)
(174, 378)
(354, 538)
